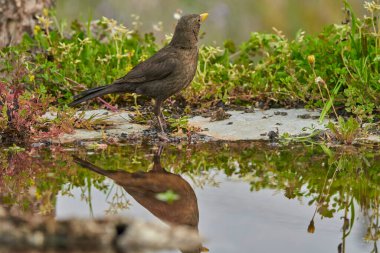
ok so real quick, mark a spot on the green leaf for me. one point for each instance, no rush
(169, 196)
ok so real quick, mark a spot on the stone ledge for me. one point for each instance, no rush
(239, 126)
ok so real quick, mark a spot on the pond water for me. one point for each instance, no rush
(241, 196)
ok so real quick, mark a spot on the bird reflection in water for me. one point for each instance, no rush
(144, 187)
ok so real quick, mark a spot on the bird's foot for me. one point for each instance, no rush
(163, 136)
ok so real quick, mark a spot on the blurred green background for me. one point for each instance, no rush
(229, 19)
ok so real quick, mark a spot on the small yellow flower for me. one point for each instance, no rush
(143, 57)
(85, 41)
(371, 6)
(128, 68)
(44, 21)
(45, 12)
(31, 78)
(36, 29)
(311, 59)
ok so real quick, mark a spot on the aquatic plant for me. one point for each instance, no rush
(344, 131)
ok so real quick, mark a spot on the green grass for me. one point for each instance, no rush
(337, 70)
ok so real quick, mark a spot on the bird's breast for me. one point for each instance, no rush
(180, 78)
(189, 60)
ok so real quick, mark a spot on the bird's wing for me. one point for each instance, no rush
(159, 66)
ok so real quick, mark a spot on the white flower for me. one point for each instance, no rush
(177, 15)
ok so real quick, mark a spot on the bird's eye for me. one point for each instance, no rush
(199, 20)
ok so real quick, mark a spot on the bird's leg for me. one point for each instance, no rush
(160, 123)
(163, 121)
(156, 160)
(158, 113)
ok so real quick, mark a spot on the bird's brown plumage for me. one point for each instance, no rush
(144, 187)
(164, 74)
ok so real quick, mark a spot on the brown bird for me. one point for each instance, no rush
(145, 186)
(164, 74)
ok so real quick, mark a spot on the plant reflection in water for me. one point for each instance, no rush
(342, 184)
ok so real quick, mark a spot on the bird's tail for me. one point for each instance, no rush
(93, 93)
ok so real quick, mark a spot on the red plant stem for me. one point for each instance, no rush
(107, 105)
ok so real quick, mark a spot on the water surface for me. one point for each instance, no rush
(242, 197)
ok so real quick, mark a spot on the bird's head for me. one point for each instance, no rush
(187, 30)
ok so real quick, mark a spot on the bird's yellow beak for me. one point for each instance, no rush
(203, 16)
